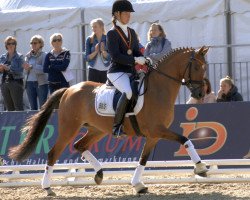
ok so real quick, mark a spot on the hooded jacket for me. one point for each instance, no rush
(232, 95)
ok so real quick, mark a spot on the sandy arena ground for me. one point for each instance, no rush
(225, 191)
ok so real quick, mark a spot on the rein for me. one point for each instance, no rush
(189, 82)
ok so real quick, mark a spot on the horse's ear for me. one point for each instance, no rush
(203, 50)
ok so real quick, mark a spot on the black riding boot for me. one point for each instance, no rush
(119, 116)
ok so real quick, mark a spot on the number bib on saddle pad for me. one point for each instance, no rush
(107, 97)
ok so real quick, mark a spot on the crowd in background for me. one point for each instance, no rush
(40, 73)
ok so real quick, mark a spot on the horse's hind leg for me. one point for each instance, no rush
(82, 145)
(200, 167)
(67, 129)
(136, 180)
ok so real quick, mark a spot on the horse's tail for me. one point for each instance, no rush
(34, 127)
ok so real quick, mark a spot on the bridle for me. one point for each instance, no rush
(189, 83)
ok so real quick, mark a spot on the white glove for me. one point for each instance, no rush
(140, 60)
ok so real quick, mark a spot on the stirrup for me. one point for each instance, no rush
(118, 132)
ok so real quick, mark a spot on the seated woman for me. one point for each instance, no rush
(209, 94)
(158, 44)
(228, 91)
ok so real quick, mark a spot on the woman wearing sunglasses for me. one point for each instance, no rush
(36, 81)
(11, 66)
(56, 62)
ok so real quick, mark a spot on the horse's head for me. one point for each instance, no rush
(194, 72)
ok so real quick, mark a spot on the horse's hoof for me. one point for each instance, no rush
(202, 174)
(99, 177)
(201, 169)
(50, 192)
(140, 188)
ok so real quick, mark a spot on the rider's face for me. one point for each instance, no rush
(124, 17)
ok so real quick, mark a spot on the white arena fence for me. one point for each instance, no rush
(118, 173)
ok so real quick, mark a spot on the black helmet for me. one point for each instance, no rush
(122, 5)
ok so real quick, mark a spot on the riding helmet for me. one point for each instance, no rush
(122, 6)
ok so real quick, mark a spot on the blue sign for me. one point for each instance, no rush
(218, 131)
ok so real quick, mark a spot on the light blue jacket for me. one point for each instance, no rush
(37, 62)
(157, 48)
(90, 48)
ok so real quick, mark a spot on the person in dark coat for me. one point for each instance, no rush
(56, 62)
(228, 91)
(123, 47)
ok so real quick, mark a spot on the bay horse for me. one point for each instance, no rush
(183, 66)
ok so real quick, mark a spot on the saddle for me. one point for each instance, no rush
(107, 97)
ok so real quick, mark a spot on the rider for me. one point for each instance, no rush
(123, 47)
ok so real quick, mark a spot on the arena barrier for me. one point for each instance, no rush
(118, 173)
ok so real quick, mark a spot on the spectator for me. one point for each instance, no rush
(209, 94)
(228, 91)
(36, 83)
(56, 62)
(11, 66)
(96, 52)
(158, 44)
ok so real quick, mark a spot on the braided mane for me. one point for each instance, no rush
(172, 52)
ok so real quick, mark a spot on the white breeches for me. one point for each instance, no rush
(121, 81)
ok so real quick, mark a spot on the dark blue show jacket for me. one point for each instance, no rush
(120, 60)
(55, 65)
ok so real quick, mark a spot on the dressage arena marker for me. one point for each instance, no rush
(80, 173)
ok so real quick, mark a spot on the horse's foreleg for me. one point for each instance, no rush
(82, 145)
(136, 180)
(167, 134)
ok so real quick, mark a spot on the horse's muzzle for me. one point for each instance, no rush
(197, 93)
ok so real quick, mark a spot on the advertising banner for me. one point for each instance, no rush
(218, 131)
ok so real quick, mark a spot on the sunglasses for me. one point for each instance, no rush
(57, 40)
(34, 43)
(11, 43)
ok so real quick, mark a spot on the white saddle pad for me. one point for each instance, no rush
(104, 101)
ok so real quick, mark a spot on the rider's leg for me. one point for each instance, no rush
(119, 115)
(122, 83)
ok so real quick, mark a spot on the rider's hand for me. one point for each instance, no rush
(140, 60)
